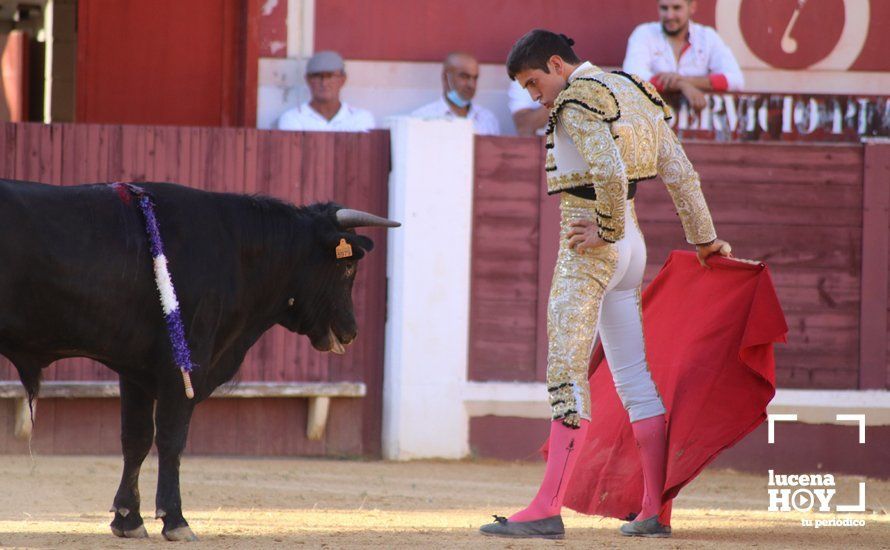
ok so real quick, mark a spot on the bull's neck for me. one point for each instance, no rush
(269, 255)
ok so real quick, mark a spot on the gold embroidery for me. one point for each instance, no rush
(684, 186)
(555, 184)
(634, 135)
(549, 162)
(579, 283)
(637, 129)
(651, 92)
(590, 95)
(645, 146)
(593, 138)
(584, 93)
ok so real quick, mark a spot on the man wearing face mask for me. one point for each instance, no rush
(460, 73)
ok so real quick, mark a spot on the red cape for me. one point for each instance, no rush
(709, 342)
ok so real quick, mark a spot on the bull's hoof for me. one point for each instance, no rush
(181, 533)
(137, 533)
(127, 524)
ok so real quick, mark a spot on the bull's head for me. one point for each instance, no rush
(320, 303)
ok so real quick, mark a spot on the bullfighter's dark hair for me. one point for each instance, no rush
(535, 48)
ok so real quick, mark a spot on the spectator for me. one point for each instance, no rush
(325, 76)
(677, 55)
(460, 73)
(529, 116)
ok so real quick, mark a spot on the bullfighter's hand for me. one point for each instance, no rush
(583, 236)
(717, 247)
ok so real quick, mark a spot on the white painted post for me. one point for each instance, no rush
(318, 417)
(300, 28)
(428, 264)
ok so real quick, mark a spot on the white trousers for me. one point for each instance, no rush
(620, 326)
(598, 291)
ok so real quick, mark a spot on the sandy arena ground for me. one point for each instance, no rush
(62, 502)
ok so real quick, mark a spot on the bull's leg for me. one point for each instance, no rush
(137, 431)
(173, 414)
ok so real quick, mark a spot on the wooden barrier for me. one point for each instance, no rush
(798, 207)
(319, 395)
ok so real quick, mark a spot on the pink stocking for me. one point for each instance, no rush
(565, 445)
(650, 436)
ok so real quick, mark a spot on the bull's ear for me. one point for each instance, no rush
(360, 244)
(360, 241)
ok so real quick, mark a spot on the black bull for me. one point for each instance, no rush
(76, 280)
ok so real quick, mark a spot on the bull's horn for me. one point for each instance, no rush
(356, 218)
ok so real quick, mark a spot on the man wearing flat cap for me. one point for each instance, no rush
(324, 112)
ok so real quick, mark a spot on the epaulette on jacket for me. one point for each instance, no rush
(650, 91)
(589, 94)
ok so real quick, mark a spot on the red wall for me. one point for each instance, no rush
(167, 62)
(426, 30)
(273, 29)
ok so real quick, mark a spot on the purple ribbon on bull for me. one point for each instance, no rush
(175, 330)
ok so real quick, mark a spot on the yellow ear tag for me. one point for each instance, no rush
(344, 249)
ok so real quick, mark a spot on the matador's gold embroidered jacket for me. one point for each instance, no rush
(607, 130)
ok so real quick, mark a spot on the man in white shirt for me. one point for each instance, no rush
(460, 73)
(529, 116)
(677, 55)
(324, 112)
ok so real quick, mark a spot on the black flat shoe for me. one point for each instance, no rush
(649, 527)
(547, 528)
